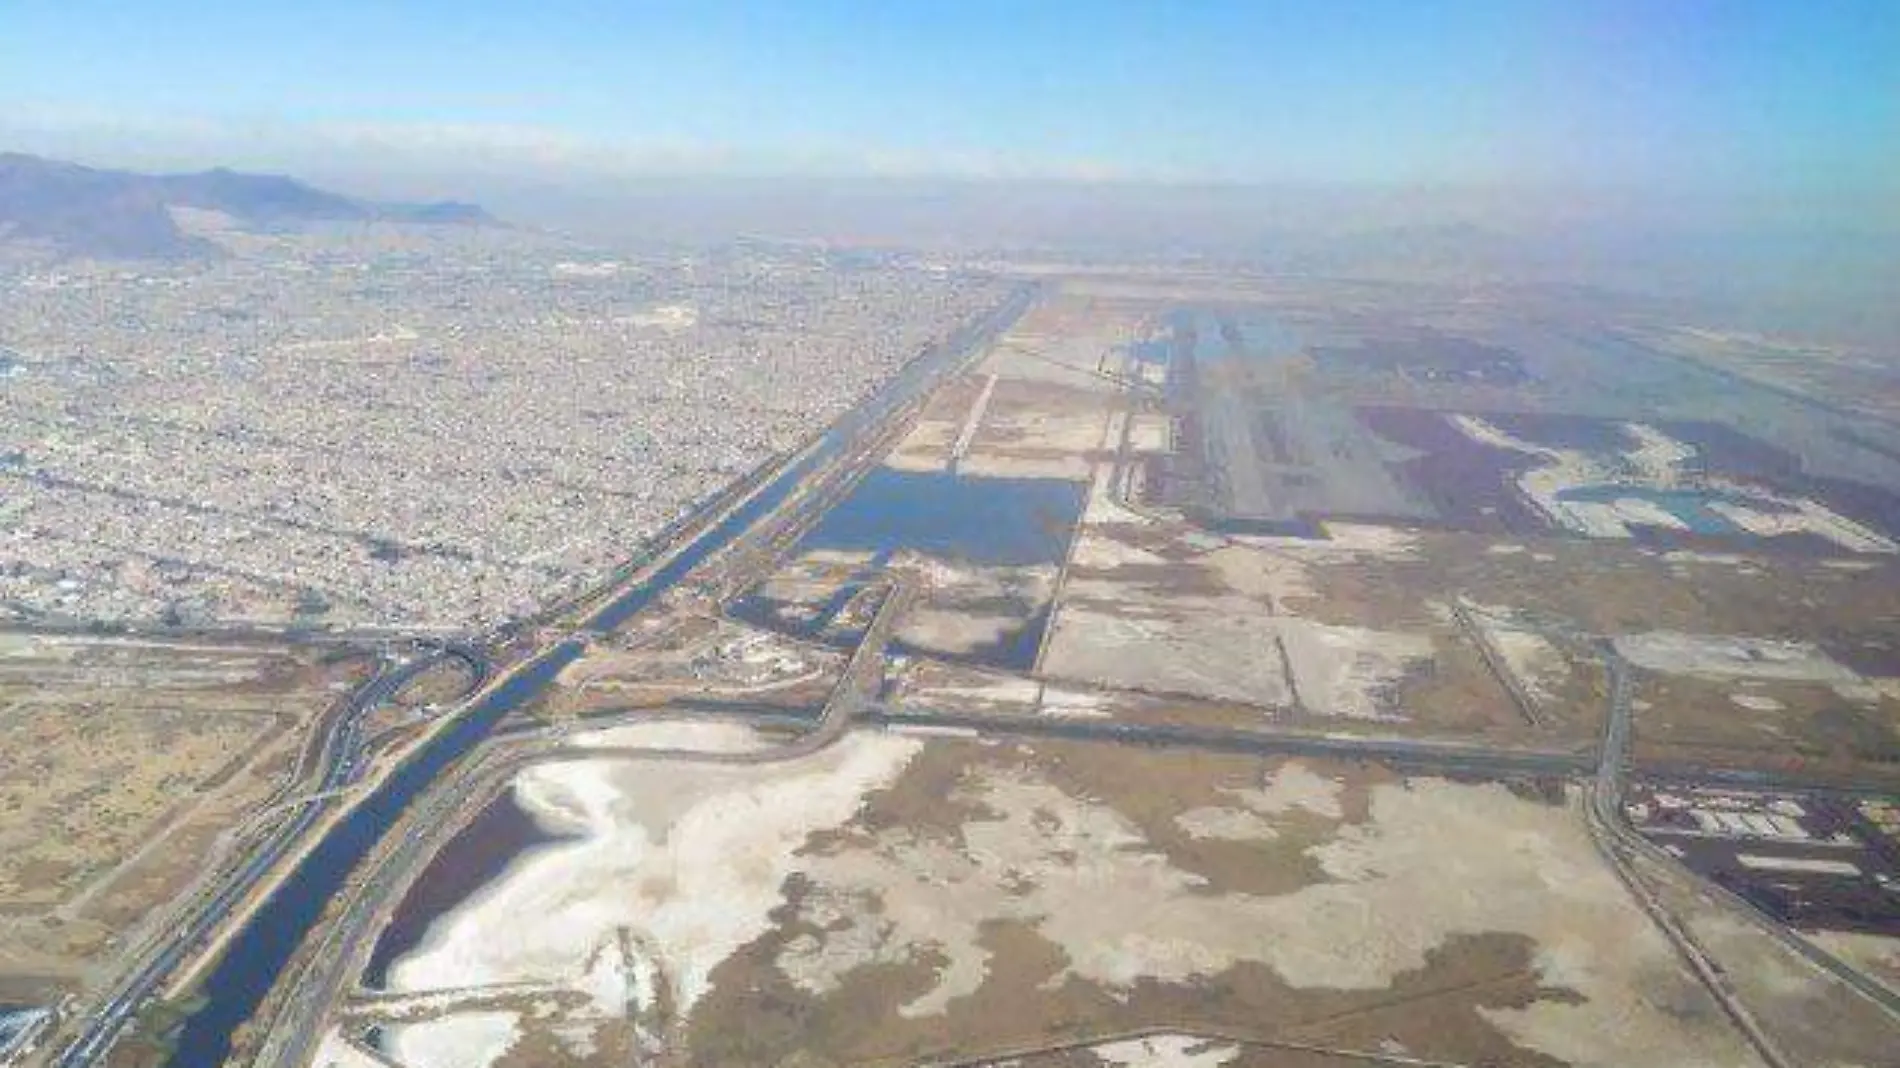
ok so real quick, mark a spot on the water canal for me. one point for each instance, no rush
(261, 949)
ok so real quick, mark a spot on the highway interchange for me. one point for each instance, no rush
(720, 550)
(810, 482)
(343, 753)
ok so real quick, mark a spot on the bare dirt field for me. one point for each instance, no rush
(1759, 702)
(705, 658)
(1812, 1016)
(927, 894)
(1394, 624)
(125, 760)
(896, 898)
(936, 893)
(1296, 627)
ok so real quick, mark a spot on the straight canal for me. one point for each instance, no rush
(258, 954)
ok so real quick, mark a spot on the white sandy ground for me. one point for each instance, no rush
(690, 735)
(953, 631)
(688, 860)
(1226, 824)
(1275, 577)
(384, 1006)
(1728, 657)
(1065, 702)
(1532, 659)
(999, 462)
(1851, 565)
(1342, 540)
(459, 1040)
(983, 691)
(1042, 444)
(335, 1051)
(1805, 865)
(1654, 460)
(1033, 582)
(1167, 1051)
(1436, 860)
(1807, 517)
(1350, 672)
(1069, 358)
(802, 583)
(671, 318)
(1637, 512)
(996, 689)
(1204, 651)
(1294, 786)
(837, 558)
(1100, 553)
(1049, 441)
(1228, 647)
(1150, 432)
(925, 448)
(1696, 556)
(1101, 506)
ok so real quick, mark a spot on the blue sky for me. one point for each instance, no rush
(1682, 94)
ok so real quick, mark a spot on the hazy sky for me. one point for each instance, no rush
(1790, 95)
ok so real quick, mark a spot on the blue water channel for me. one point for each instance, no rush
(1690, 506)
(999, 522)
(259, 952)
(254, 958)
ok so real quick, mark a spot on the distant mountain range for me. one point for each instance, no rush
(84, 211)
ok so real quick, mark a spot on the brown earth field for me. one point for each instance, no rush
(127, 764)
(704, 658)
(1765, 724)
(1064, 891)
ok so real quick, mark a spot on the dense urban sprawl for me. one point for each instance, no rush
(391, 426)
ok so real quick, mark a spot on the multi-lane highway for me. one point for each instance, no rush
(340, 764)
(719, 551)
(1441, 757)
(271, 933)
(724, 550)
(1606, 809)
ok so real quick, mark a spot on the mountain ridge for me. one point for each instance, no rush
(77, 210)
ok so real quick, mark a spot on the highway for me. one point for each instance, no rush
(1436, 757)
(1606, 811)
(813, 477)
(342, 758)
(1615, 840)
(717, 552)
